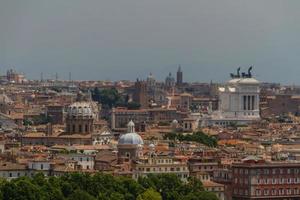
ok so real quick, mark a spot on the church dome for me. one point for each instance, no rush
(150, 77)
(131, 138)
(83, 109)
(170, 78)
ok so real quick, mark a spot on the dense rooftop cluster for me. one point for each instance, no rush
(165, 139)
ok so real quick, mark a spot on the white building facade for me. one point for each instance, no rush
(238, 102)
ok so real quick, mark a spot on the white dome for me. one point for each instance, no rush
(174, 121)
(80, 109)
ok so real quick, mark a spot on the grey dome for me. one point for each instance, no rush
(80, 109)
(131, 138)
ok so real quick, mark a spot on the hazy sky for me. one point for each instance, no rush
(126, 39)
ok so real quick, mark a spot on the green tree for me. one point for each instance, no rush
(198, 137)
(81, 195)
(204, 195)
(149, 194)
(79, 186)
(21, 189)
(107, 97)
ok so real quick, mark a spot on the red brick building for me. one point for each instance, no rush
(257, 179)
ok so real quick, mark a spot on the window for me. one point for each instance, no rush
(266, 192)
(257, 192)
(42, 166)
(273, 191)
(235, 191)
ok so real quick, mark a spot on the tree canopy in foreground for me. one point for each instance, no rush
(80, 186)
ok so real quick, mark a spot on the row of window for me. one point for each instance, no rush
(15, 174)
(268, 181)
(267, 171)
(280, 191)
(268, 192)
(181, 176)
(206, 167)
(164, 161)
(278, 180)
(166, 169)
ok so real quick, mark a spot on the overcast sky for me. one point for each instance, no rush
(126, 39)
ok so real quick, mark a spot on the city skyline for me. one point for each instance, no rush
(96, 40)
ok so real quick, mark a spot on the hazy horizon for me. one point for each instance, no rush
(117, 40)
